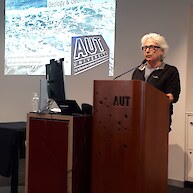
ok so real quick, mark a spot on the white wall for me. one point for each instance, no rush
(133, 19)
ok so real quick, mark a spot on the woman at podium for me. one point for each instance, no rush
(155, 71)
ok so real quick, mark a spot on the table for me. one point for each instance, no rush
(12, 147)
(58, 153)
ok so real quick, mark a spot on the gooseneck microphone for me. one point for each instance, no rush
(144, 61)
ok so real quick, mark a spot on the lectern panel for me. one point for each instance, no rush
(48, 156)
(129, 138)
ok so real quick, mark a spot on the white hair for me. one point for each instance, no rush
(160, 40)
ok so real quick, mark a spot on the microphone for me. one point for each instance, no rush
(144, 61)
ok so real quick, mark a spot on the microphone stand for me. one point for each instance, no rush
(144, 61)
(126, 72)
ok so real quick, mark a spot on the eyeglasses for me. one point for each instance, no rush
(151, 48)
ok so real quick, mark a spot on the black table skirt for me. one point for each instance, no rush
(10, 136)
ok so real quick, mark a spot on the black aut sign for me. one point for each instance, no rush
(121, 101)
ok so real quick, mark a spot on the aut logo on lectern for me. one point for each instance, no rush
(122, 101)
(88, 52)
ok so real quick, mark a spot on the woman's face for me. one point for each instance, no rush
(151, 51)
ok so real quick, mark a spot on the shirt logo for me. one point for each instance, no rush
(155, 76)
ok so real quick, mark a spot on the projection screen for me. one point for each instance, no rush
(37, 31)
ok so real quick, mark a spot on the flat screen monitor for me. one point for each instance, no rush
(55, 77)
(44, 102)
(55, 81)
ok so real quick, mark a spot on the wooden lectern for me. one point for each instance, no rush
(129, 138)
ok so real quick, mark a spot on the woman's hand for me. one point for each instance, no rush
(170, 96)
